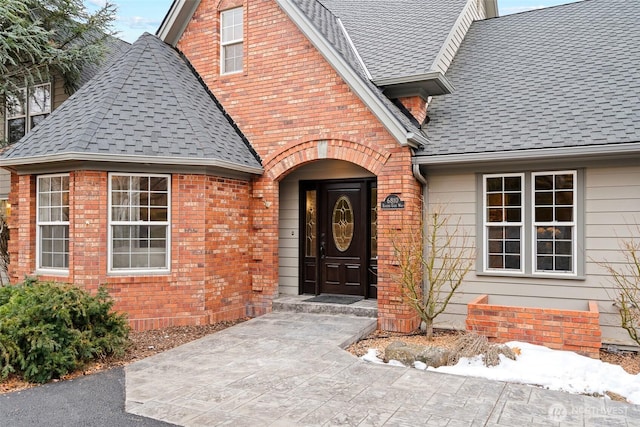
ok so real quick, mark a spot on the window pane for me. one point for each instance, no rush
(544, 214)
(513, 199)
(544, 182)
(494, 199)
(495, 215)
(496, 262)
(564, 198)
(16, 129)
(504, 252)
(39, 100)
(233, 58)
(544, 198)
(564, 181)
(514, 215)
(494, 184)
(564, 214)
(140, 201)
(512, 262)
(15, 104)
(512, 183)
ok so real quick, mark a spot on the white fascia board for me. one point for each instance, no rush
(347, 73)
(176, 20)
(117, 158)
(581, 152)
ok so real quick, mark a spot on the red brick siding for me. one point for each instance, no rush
(286, 100)
(208, 279)
(571, 330)
(417, 106)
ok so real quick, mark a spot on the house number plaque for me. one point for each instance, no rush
(392, 201)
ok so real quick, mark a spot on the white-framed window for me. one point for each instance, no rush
(26, 109)
(554, 221)
(530, 223)
(139, 218)
(503, 222)
(231, 40)
(52, 224)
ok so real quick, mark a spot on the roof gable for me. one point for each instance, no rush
(150, 106)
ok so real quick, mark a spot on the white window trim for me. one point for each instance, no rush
(39, 268)
(486, 224)
(226, 43)
(528, 249)
(26, 109)
(111, 223)
(572, 224)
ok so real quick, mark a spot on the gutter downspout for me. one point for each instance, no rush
(422, 179)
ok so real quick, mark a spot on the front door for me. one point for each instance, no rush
(337, 237)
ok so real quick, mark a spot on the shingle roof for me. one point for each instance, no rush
(114, 48)
(397, 38)
(150, 104)
(327, 23)
(566, 76)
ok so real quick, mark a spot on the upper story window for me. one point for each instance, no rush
(231, 35)
(530, 223)
(53, 222)
(26, 109)
(139, 223)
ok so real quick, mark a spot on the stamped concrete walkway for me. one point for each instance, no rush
(288, 369)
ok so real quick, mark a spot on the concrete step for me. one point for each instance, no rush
(297, 304)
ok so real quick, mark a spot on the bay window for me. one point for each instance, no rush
(139, 216)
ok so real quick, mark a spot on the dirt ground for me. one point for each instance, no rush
(148, 343)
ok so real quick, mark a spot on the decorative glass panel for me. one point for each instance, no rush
(374, 223)
(311, 224)
(342, 223)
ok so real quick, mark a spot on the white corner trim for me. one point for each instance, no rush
(355, 51)
(355, 82)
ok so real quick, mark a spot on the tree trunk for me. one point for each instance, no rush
(428, 329)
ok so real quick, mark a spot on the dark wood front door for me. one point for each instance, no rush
(338, 237)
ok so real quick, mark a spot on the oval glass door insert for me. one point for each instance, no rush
(342, 223)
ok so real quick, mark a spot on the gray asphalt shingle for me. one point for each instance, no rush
(397, 38)
(149, 103)
(566, 76)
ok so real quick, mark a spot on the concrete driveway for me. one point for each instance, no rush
(288, 369)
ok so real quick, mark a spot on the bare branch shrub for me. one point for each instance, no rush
(625, 278)
(430, 278)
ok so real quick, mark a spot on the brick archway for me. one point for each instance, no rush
(298, 154)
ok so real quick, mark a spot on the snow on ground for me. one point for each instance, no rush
(541, 366)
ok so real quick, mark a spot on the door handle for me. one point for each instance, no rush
(321, 249)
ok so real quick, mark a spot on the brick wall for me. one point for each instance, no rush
(571, 330)
(287, 100)
(209, 279)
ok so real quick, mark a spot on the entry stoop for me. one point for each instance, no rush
(297, 304)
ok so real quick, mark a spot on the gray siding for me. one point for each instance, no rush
(612, 208)
(289, 224)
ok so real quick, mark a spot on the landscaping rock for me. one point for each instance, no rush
(409, 353)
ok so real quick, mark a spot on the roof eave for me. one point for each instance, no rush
(580, 152)
(176, 20)
(347, 73)
(11, 163)
(428, 84)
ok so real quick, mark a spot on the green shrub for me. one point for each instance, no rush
(48, 330)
